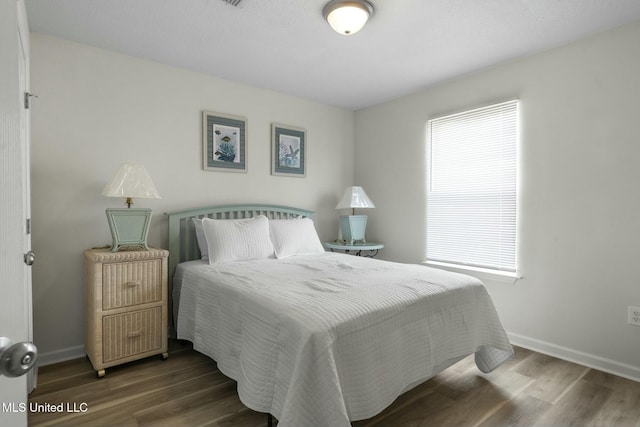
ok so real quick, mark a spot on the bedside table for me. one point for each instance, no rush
(125, 296)
(357, 247)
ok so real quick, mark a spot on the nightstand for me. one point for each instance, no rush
(125, 296)
(357, 247)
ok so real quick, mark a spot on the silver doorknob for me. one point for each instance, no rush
(29, 258)
(16, 359)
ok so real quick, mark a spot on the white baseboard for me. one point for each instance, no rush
(589, 360)
(61, 355)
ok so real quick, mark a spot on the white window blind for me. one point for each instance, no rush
(471, 203)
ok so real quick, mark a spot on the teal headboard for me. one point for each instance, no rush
(183, 245)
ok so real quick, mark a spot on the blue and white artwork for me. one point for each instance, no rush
(289, 151)
(226, 143)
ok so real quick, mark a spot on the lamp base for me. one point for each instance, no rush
(353, 228)
(129, 228)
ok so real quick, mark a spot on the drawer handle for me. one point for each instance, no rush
(134, 334)
(132, 284)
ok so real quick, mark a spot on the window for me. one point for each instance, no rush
(471, 201)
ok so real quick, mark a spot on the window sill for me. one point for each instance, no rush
(480, 273)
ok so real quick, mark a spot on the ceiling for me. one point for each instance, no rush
(287, 46)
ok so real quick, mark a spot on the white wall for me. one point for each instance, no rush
(97, 109)
(579, 223)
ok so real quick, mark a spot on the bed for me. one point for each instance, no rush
(317, 338)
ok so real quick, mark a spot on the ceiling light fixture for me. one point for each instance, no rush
(347, 16)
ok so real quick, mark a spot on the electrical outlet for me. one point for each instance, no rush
(634, 316)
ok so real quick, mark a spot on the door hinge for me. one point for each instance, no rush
(27, 101)
(28, 226)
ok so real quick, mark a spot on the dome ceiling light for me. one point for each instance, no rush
(347, 16)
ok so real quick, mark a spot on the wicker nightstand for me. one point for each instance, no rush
(125, 306)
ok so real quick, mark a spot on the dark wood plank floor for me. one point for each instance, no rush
(187, 390)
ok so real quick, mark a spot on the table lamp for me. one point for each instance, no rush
(129, 227)
(353, 226)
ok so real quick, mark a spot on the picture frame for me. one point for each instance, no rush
(224, 142)
(288, 150)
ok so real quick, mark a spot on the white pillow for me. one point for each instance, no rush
(202, 239)
(237, 240)
(294, 237)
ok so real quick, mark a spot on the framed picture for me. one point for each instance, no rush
(224, 142)
(288, 150)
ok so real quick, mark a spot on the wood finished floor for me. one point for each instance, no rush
(531, 389)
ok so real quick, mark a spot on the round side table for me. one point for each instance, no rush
(370, 248)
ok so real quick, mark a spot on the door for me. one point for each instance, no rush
(15, 239)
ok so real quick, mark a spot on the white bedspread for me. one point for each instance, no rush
(323, 339)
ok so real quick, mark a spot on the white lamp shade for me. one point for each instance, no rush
(355, 197)
(131, 180)
(347, 17)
